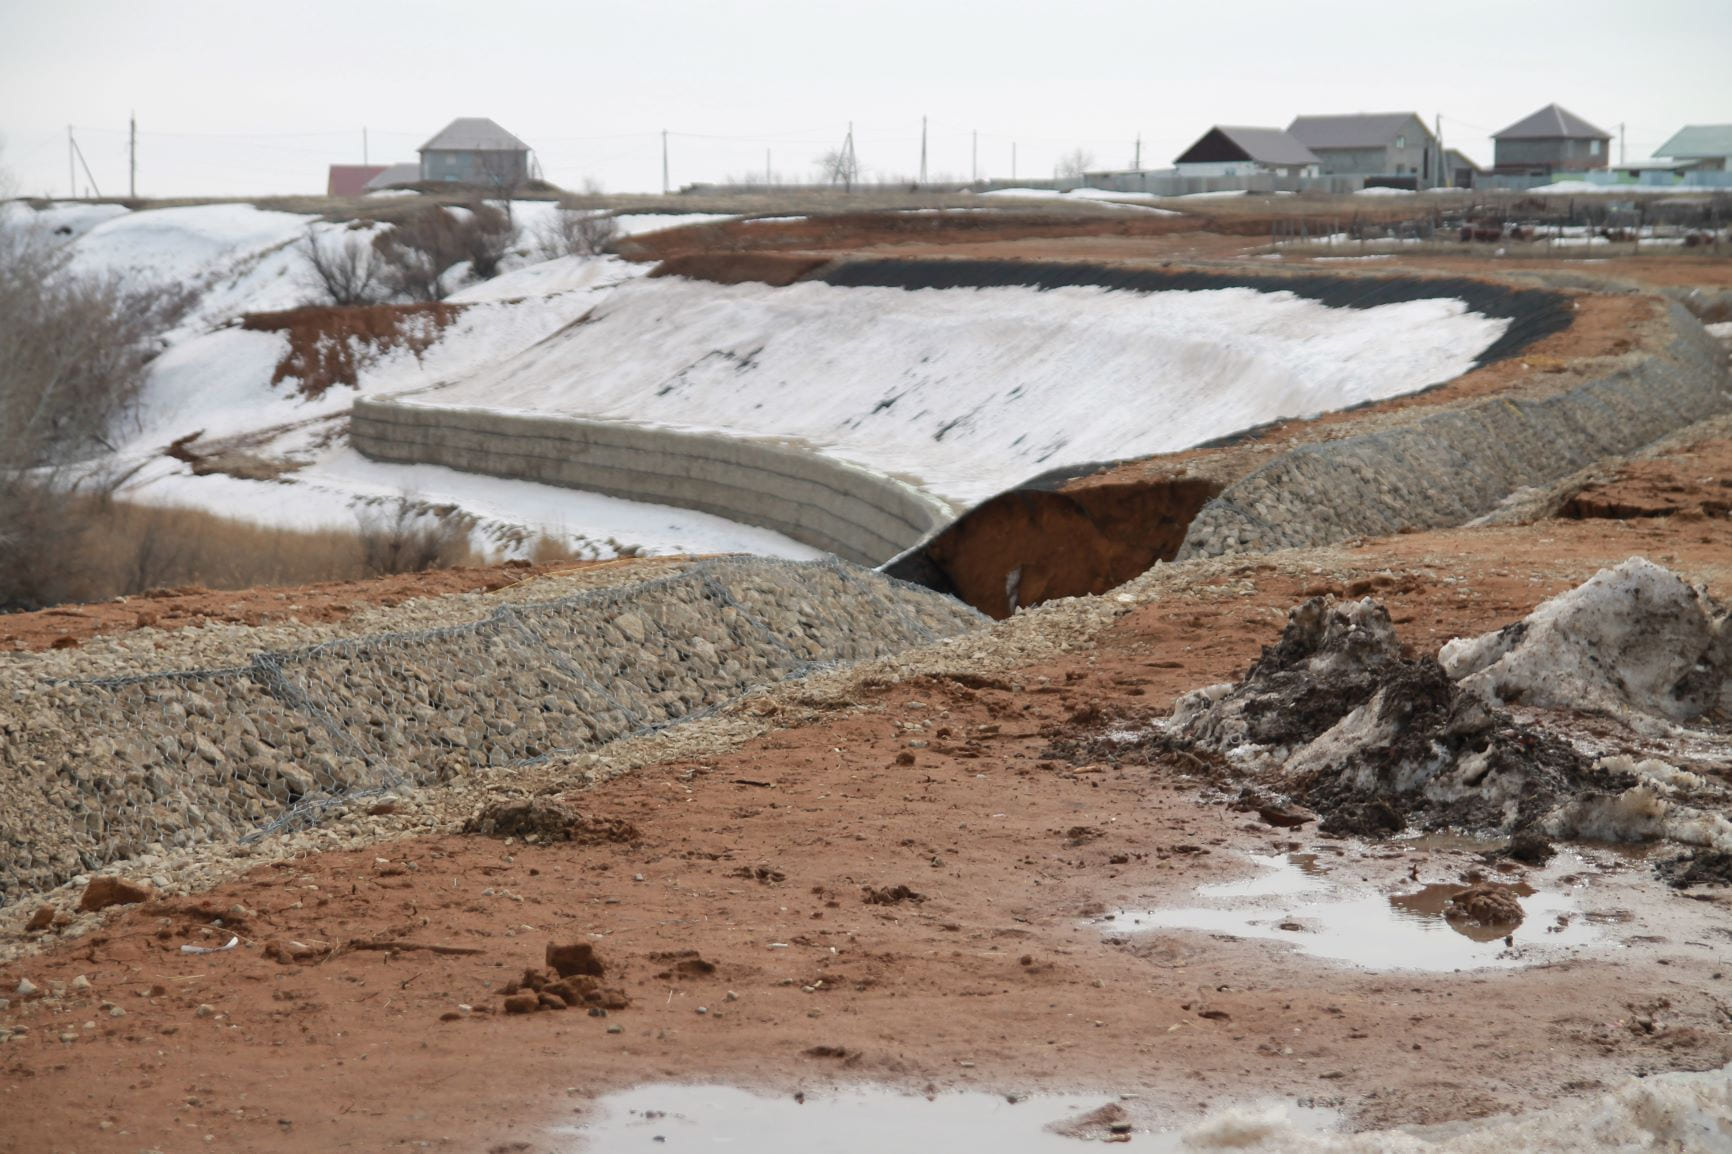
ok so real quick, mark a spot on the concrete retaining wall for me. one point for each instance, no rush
(108, 769)
(854, 513)
(1453, 466)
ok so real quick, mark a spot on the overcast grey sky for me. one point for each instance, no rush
(237, 97)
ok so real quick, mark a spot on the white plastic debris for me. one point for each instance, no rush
(232, 943)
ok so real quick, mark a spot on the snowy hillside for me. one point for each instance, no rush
(970, 391)
(214, 380)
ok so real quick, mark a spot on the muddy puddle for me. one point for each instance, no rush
(1323, 909)
(874, 1119)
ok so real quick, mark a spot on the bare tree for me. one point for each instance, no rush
(344, 267)
(1075, 163)
(423, 246)
(503, 174)
(576, 232)
(74, 351)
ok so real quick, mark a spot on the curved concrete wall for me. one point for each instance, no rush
(1453, 466)
(856, 514)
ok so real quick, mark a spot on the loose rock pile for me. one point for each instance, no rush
(97, 771)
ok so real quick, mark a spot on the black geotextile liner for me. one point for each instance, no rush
(1534, 313)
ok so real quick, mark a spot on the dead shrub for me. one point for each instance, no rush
(345, 266)
(329, 346)
(430, 241)
(576, 232)
(406, 535)
(73, 356)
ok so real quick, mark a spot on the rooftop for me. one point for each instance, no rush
(1553, 122)
(474, 134)
(1360, 130)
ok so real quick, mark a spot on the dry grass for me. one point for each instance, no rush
(130, 548)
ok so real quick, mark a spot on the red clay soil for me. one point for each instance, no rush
(66, 626)
(766, 863)
(328, 345)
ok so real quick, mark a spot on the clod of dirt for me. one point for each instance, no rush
(106, 891)
(768, 875)
(577, 958)
(1527, 847)
(40, 920)
(1334, 715)
(685, 964)
(1702, 868)
(1634, 642)
(522, 1003)
(288, 952)
(546, 820)
(890, 895)
(1486, 903)
(1099, 1124)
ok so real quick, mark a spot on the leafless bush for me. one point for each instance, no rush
(409, 536)
(1075, 163)
(344, 267)
(576, 233)
(427, 243)
(73, 356)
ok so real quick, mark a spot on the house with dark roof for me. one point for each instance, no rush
(1380, 144)
(1227, 150)
(1709, 146)
(474, 150)
(1552, 140)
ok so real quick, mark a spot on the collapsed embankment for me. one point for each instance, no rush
(1431, 461)
(134, 762)
(740, 397)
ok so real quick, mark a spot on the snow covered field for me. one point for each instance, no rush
(214, 379)
(970, 391)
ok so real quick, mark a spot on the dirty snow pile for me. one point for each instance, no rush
(1335, 716)
(1668, 1112)
(214, 379)
(971, 391)
(1635, 642)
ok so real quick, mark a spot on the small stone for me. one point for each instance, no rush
(27, 988)
(106, 891)
(616, 1029)
(205, 1010)
(116, 1012)
(81, 983)
(40, 920)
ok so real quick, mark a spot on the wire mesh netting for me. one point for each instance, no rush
(102, 770)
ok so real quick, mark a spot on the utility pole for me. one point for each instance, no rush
(923, 150)
(1444, 176)
(364, 144)
(71, 165)
(1620, 144)
(766, 168)
(974, 157)
(1138, 163)
(664, 162)
(132, 156)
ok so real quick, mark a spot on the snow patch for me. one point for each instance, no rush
(1632, 642)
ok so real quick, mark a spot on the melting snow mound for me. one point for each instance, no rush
(1632, 642)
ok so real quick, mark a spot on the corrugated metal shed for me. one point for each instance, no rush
(1698, 140)
(1552, 122)
(1362, 130)
(407, 172)
(474, 134)
(350, 179)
